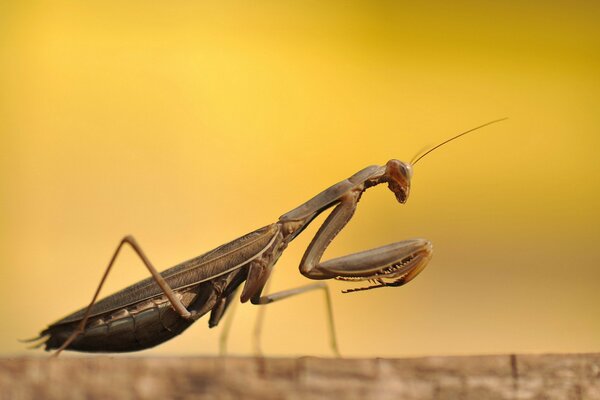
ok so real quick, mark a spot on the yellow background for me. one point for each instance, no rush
(188, 124)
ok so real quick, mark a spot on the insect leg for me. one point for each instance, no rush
(258, 324)
(175, 302)
(217, 314)
(270, 298)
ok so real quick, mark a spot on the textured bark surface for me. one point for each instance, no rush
(567, 376)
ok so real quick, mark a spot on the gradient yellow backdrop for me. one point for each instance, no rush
(188, 124)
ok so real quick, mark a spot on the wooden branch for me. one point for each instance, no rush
(567, 376)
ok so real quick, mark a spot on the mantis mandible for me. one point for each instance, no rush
(162, 306)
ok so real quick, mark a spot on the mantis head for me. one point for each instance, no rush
(397, 175)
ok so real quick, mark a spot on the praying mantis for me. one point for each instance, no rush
(162, 306)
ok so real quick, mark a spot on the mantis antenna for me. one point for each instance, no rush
(421, 154)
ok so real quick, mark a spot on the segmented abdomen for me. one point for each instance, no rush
(133, 328)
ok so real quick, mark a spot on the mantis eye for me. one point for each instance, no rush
(399, 170)
(406, 170)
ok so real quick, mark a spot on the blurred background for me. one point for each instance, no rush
(188, 124)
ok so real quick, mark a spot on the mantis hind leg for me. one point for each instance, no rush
(175, 301)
